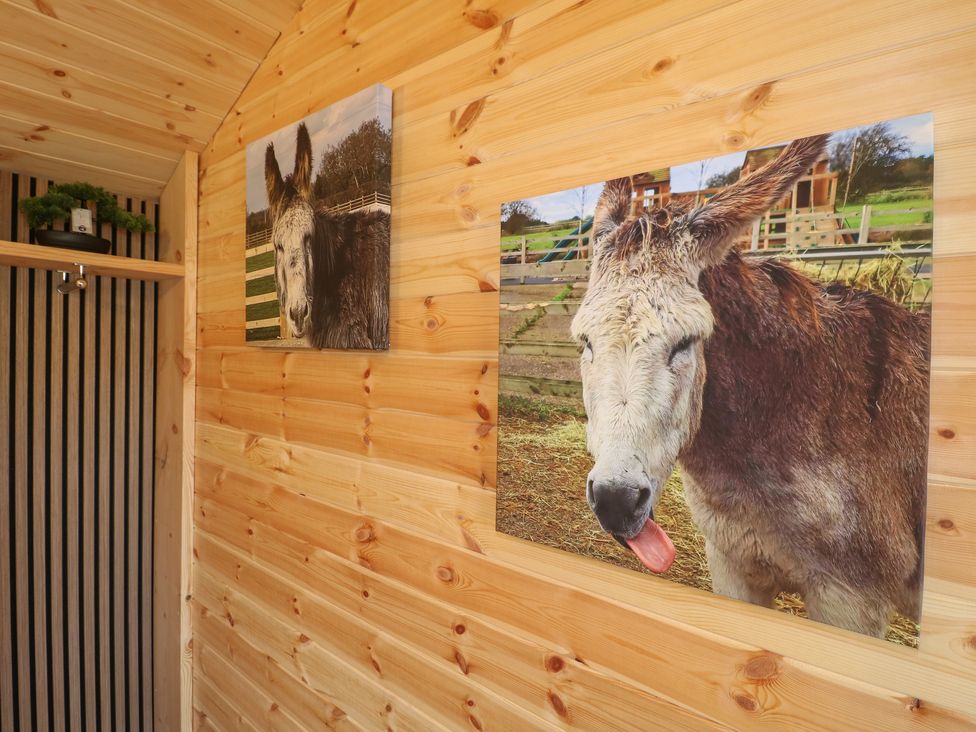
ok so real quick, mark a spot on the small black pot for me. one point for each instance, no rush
(72, 240)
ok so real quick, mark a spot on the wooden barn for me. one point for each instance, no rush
(205, 533)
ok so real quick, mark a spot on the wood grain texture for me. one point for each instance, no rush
(324, 476)
(152, 78)
(173, 452)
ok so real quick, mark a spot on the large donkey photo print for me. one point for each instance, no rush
(318, 237)
(723, 379)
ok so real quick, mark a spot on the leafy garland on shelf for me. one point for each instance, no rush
(56, 205)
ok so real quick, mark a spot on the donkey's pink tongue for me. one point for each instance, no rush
(653, 547)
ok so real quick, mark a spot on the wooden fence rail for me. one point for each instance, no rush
(539, 386)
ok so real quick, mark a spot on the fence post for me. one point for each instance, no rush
(754, 244)
(865, 230)
(522, 278)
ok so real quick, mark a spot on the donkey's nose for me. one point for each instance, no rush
(298, 315)
(621, 507)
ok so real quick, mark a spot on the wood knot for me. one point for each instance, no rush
(461, 661)
(483, 19)
(757, 97)
(484, 286)
(431, 324)
(428, 301)
(484, 369)
(462, 122)
(554, 664)
(663, 65)
(970, 643)
(445, 573)
(946, 524)
(388, 708)
(734, 139)
(364, 534)
(170, 126)
(475, 722)
(746, 702)
(763, 667)
(483, 412)
(468, 214)
(365, 594)
(946, 433)
(302, 638)
(459, 629)
(484, 429)
(59, 72)
(557, 704)
(472, 160)
(469, 702)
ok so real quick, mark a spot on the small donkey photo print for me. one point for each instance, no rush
(718, 373)
(318, 228)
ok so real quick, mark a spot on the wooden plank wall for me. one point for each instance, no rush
(76, 480)
(347, 572)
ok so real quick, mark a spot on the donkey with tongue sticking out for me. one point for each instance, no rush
(797, 411)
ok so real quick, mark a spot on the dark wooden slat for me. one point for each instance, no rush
(56, 517)
(119, 427)
(6, 628)
(104, 290)
(132, 489)
(86, 398)
(73, 534)
(40, 498)
(21, 535)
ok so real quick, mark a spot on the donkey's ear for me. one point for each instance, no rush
(714, 224)
(303, 161)
(612, 207)
(272, 179)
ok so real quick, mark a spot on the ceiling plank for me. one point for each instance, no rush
(222, 24)
(20, 102)
(58, 170)
(41, 139)
(115, 22)
(23, 68)
(277, 14)
(60, 41)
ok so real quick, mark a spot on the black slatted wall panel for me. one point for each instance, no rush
(77, 376)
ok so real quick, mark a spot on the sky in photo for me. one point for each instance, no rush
(566, 204)
(326, 127)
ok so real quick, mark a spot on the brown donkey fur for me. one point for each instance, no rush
(797, 410)
(332, 270)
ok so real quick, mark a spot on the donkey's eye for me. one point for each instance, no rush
(586, 349)
(680, 347)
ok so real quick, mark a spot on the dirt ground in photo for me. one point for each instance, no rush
(542, 468)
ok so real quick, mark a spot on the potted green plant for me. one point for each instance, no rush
(69, 202)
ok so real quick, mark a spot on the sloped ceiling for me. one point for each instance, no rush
(113, 91)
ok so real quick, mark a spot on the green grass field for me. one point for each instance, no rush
(535, 240)
(879, 218)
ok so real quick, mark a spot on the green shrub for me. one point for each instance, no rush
(56, 205)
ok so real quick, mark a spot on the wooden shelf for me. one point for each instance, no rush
(16, 254)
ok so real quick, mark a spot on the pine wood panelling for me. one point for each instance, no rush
(173, 464)
(154, 78)
(345, 490)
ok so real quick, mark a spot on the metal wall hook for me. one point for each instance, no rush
(70, 285)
